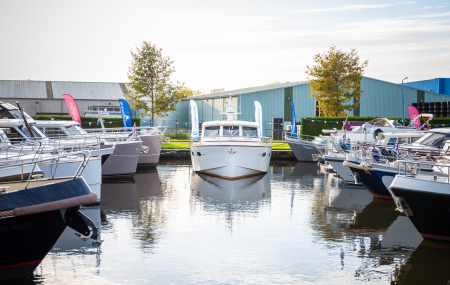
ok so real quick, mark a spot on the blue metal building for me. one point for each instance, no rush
(437, 85)
(379, 99)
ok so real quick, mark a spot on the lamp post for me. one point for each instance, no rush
(403, 102)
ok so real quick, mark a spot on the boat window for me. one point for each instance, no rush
(230, 131)
(434, 139)
(37, 132)
(393, 140)
(212, 131)
(54, 132)
(4, 114)
(14, 136)
(249, 131)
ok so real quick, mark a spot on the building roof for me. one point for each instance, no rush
(56, 89)
(246, 90)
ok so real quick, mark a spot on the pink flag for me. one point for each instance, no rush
(73, 108)
(413, 113)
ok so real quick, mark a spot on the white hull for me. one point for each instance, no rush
(231, 161)
(343, 171)
(153, 143)
(92, 173)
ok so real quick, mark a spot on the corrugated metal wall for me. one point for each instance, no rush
(88, 90)
(22, 89)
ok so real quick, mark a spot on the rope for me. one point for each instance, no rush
(51, 206)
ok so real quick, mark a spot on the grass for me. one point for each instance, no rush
(183, 144)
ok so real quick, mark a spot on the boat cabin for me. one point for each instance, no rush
(17, 132)
(60, 128)
(229, 129)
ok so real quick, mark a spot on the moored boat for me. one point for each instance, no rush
(33, 215)
(425, 199)
(230, 149)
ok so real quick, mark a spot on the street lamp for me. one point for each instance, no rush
(403, 102)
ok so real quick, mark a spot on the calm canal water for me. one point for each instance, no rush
(291, 226)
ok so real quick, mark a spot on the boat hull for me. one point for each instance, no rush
(344, 171)
(32, 220)
(26, 240)
(123, 161)
(426, 203)
(151, 157)
(370, 180)
(303, 150)
(231, 161)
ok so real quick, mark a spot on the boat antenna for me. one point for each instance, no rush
(25, 120)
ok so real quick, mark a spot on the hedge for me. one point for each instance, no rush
(313, 126)
(91, 122)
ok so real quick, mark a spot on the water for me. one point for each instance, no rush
(291, 226)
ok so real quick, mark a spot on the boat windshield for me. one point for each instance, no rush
(75, 130)
(432, 139)
(36, 132)
(230, 131)
(249, 131)
(212, 131)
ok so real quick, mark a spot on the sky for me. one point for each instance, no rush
(221, 44)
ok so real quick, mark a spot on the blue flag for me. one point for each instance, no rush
(126, 115)
(294, 125)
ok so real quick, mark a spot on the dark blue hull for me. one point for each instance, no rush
(372, 182)
(26, 240)
(426, 206)
(32, 220)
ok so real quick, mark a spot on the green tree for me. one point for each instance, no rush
(185, 92)
(335, 81)
(151, 91)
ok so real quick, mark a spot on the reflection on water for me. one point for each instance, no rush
(292, 225)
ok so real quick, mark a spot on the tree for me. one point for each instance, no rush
(335, 81)
(185, 92)
(151, 91)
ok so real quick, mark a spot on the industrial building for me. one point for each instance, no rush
(46, 97)
(379, 99)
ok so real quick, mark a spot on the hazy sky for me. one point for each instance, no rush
(221, 44)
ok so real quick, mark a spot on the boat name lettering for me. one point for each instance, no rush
(20, 226)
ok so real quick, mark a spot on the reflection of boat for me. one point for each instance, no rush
(68, 242)
(119, 197)
(147, 184)
(230, 149)
(377, 216)
(304, 169)
(428, 264)
(237, 193)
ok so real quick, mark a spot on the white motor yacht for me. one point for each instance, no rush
(230, 149)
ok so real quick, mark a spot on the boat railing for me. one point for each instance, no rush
(307, 138)
(82, 156)
(55, 146)
(124, 130)
(414, 168)
(227, 139)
